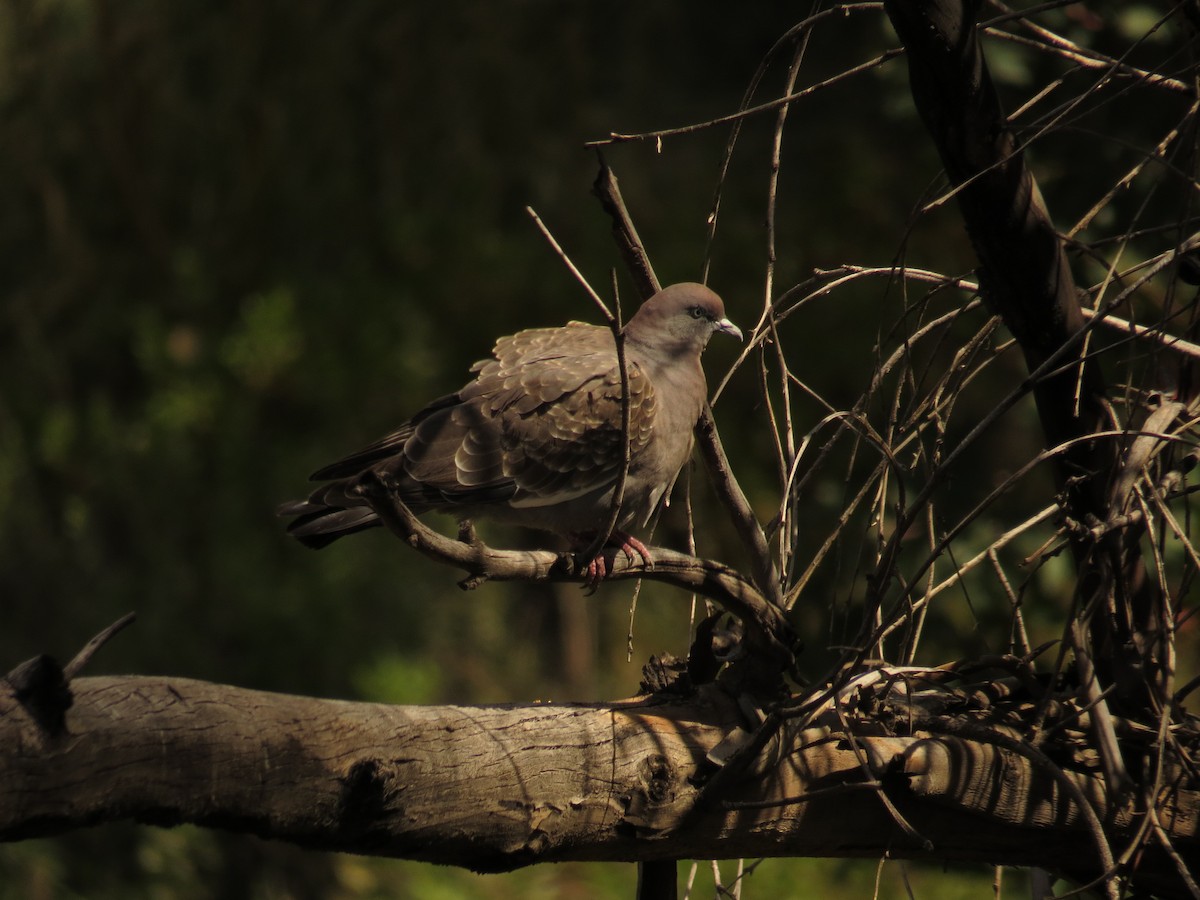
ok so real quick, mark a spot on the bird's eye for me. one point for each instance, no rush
(697, 312)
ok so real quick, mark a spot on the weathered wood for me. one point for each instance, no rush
(497, 787)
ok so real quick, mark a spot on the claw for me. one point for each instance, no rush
(597, 569)
(630, 545)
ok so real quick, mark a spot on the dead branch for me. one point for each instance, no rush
(607, 190)
(499, 787)
(734, 499)
(769, 636)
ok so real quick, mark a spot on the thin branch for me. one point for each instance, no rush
(84, 656)
(616, 326)
(974, 732)
(846, 273)
(562, 254)
(734, 500)
(788, 450)
(767, 630)
(614, 512)
(1125, 180)
(629, 245)
(1086, 58)
(709, 441)
(965, 568)
(885, 57)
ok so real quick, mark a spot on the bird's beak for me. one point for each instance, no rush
(727, 327)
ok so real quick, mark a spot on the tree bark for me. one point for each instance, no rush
(493, 788)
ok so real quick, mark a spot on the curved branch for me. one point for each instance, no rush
(769, 636)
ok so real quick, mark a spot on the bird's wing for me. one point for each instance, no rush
(539, 425)
(388, 446)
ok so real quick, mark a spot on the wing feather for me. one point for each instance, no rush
(387, 446)
(539, 425)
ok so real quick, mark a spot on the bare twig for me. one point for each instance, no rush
(617, 328)
(562, 254)
(1083, 57)
(84, 656)
(735, 502)
(730, 492)
(629, 245)
(787, 451)
(847, 273)
(988, 552)
(618, 138)
(618, 497)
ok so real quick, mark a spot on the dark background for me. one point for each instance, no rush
(239, 240)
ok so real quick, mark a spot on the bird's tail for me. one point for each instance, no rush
(317, 524)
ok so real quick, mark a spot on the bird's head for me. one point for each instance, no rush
(680, 319)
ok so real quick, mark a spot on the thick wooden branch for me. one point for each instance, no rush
(497, 787)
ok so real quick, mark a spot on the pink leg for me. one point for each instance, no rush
(630, 545)
(597, 569)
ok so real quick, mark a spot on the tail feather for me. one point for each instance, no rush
(318, 526)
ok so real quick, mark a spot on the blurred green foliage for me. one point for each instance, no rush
(242, 239)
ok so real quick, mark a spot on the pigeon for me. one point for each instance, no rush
(535, 439)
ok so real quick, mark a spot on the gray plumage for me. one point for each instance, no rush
(535, 438)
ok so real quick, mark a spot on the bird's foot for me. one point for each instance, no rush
(597, 569)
